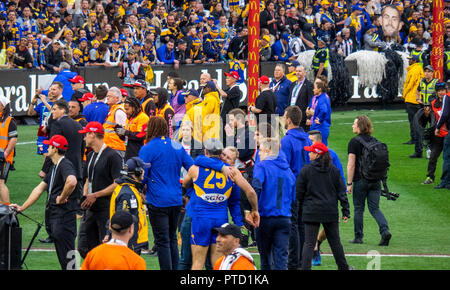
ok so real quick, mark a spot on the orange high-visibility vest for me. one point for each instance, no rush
(135, 124)
(111, 139)
(4, 139)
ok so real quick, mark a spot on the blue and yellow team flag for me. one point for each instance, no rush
(237, 66)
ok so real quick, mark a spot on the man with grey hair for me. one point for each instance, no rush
(116, 116)
(280, 86)
(301, 93)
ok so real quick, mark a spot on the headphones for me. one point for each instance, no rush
(138, 170)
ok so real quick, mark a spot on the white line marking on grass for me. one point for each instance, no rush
(378, 122)
(324, 254)
(25, 143)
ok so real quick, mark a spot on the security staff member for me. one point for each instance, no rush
(136, 119)
(145, 97)
(103, 167)
(61, 205)
(426, 88)
(116, 116)
(321, 58)
(8, 140)
(128, 196)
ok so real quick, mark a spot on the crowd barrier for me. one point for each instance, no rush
(19, 85)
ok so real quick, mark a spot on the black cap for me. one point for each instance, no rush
(122, 220)
(229, 229)
(211, 85)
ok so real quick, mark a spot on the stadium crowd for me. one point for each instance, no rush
(182, 160)
(42, 34)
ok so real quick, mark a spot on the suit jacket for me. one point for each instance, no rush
(304, 96)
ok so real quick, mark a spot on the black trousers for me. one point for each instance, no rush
(63, 228)
(296, 238)
(332, 232)
(437, 145)
(92, 230)
(411, 110)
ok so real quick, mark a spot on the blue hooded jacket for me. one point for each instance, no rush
(274, 184)
(292, 146)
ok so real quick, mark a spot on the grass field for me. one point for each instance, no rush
(419, 220)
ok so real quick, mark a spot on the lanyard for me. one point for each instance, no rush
(95, 162)
(118, 242)
(52, 178)
(276, 86)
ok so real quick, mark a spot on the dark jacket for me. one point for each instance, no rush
(304, 96)
(52, 59)
(69, 128)
(318, 190)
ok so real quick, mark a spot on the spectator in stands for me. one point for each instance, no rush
(268, 18)
(132, 69)
(281, 50)
(166, 53)
(22, 57)
(265, 52)
(53, 56)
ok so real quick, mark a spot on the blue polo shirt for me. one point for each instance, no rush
(97, 111)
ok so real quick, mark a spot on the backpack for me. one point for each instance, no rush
(374, 160)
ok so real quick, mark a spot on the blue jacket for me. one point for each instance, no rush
(163, 177)
(64, 76)
(292, 146)
(274, 184)
(337, 163)
(282, 91)
(97, 111)
(322, 111)
(277, 50)
(165, 56)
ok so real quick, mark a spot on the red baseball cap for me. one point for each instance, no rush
(77, 79)
(318, 148)
(57, 141)
(87, 97)
(124, 92)
(264, 80)
(233, 74)
(94, 127)
(143, 131)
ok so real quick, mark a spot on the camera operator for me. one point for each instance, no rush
(59, 182)
(364, 189)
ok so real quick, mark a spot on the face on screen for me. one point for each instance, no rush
(390, 21)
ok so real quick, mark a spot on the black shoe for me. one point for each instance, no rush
(356, 241)
(153, 253)
(385, 239)
(410, 142)
(440, 186)
(47, 240)
(416, 155)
